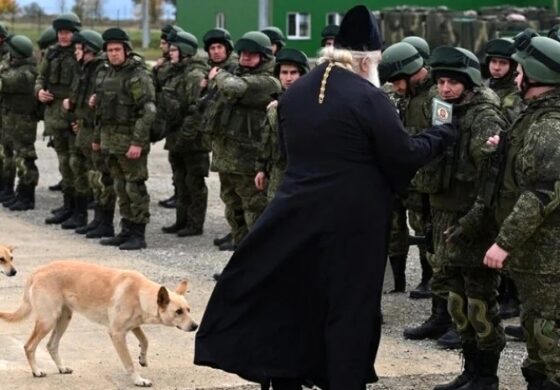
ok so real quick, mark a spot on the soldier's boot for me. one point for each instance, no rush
(470, 369)
(8, 192)
(56, 187)
(450, 339)
(549, 385)
(105, 228)
(486, 372)
(535, 380)
(228, 246)
(25, 198)
(181, 221)
(435, 326)
(169, 203)
(189, 231)
(516, 332)
(93, 224)
(509, 301)
(136, 239)
(1, 183)
(398, 265)
(13, 199)
(120, 238)
(220, 240)
(66, 212)
(79, 214)
(423, 290)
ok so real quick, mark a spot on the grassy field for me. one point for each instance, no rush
(33, 31)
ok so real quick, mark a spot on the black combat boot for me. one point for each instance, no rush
(398, 265)
(79, 214)
(93, 224)
(435, 326)
(105, 227)
(8, 192)
(228, 246)
(56, 187)
(120, 238)
(66, 212)
(535, 380)
(470, 369)
(508, 299)
(220, 240)
(25, 198)
(169, 203)
(189, 231)
(549, 385)
(136, 239)
(423, 290)
(11, 200)
(181, 221)
(450, 340)
(516, 332)
(487, 372)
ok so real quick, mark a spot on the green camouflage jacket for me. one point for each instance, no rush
(239, 117)
(510, 97)
(125, 99)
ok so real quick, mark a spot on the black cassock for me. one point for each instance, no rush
(300, 298)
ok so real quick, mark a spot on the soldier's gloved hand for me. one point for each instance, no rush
(455, 235)
(449, 132)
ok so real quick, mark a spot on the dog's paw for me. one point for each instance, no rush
(39, 373)
(143, 361)
(141, 382)
(65, 370)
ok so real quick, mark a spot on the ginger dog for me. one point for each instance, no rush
(6, 260)
(122, 300)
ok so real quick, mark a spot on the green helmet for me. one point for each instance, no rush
(539, 57)
(116, 34)
(329, 32)
(92, 40)
(68, 21)
(276, 36)
(554, 32)
(47, 38)
(169, 29)
(456, 60)
(255, 42)
(20, 46)
(400, 60)
(500, 47)
(218, 35)
(420, 44)
(288, 56)
(185, 42)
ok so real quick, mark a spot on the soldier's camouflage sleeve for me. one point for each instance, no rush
(192, 94)
(265, 148)
(251, 90)
(486, 124)
(41, 77)
(143, 93)
(539, 163)
(472, 222)
(18, 82)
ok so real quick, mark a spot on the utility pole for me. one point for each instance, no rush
(264, 13)
(145, 24)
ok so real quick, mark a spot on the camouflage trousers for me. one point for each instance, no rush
(398, 237)
(129, 177)
(18, 144)
(244, 203)
(540, 319)
(473, 306)
(81, 165)
(101, 181)
(190, 171)
(276, 177)
(8, 162)
(64, 146)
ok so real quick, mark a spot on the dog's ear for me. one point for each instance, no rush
(163, 297)
(182, 287)
(11, 248)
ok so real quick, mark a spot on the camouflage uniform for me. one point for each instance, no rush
(7, 162)
(272, 160)
(237, 134)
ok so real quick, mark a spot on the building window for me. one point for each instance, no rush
(220, 20)
(334, 18)
(299, 25)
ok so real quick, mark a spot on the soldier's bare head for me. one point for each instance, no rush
(64, 37)
(116, 53)
(249, 59)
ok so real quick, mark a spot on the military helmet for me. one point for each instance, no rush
(500, 47)
(400, 60)
(4, 31)
(218, 35)
(456, 60)
(116, 34)
(20, 46)
(169, 29)
(329, 32)
(67, 21)
(554, 32)
(47, 38)
(185, 42)
(539, 57)
(92, 40)
(255, 42)
(275, 35)
(291, 57)
(419, 44)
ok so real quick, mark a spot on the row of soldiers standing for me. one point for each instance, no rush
(492, 197)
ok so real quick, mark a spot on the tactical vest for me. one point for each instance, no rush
(86, 88)
(116, 104)
(19, 98)
(61, 70)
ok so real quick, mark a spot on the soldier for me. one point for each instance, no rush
(419, 44)
(125, 101)
(525, 205)
(219, 46)
(19, 121)
(472, 287)
(277, 38)
(237, 129)
(58, 71)
(291, 64)
(188, 146)
(7, 162)
(89, 167)
(328, 34)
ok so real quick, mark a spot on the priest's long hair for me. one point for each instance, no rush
(352, 60)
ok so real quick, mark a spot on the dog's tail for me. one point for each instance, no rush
(22, 312)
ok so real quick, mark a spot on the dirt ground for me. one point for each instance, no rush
(87, 348)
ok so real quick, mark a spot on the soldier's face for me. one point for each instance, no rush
(115, 53)
(64, 37)
(288, 74)
(449, 89)
(217, 53)
(174, 54)
(329, 42)
(249, 60)
(400, 87)
(78, 51)
(274, 49)
(519, 77)
(163, 46)
(499, 67)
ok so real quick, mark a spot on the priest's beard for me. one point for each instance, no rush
(373, 75)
